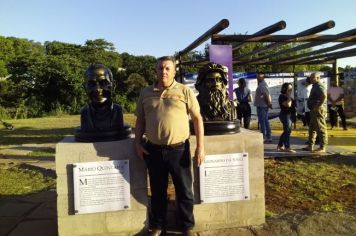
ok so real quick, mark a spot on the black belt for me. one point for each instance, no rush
(163, 146)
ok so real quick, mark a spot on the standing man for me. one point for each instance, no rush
(305, 93)
(335, 100)
(163, 111)
(316, 104)
(244, 97)
(263, 102)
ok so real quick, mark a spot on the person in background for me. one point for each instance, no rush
(263, 102)
(335, 100)
(244, 97)
(286, 104)
(306, 92)
(162, 113)
(316, 104)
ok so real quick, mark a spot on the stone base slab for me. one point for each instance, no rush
(209, 216)
(126, 222)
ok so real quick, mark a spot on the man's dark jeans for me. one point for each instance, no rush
(262, 114)
(175, 160)
(284, 139)
(244, 112)
(333, 116)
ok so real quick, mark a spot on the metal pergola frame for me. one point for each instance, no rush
(306, 39)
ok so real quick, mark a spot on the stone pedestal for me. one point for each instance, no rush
(211, 216)
(126, 222)
(208, 216)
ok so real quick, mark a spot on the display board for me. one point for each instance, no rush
(101, 186)
(274, 82)
(224, 177)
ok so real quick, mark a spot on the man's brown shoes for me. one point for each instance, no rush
(155, 232)
(188, 233)
(320, 150)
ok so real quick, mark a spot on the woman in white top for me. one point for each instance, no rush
(305, 93)
(335, 99)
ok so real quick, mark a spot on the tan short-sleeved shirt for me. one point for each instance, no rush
(166, 112)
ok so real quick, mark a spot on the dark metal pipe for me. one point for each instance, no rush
(308, 32)
(223, 24)
(332, 55)
(316, 52)
(327, 38)
(346, 34)
(318, 62)
(312, 62)
(264, 32)
(190, 63)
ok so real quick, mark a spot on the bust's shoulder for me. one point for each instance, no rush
(116, 107)
(85, 109)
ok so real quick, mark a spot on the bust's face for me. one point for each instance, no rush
(98, 86)
(214, 81)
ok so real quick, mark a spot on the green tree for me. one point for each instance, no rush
(100, 51)
(143, 65)
(59, 83)
(56, 48)
(134, 84)
(49, 78)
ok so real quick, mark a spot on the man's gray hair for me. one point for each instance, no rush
(166, 58)
(315, 74)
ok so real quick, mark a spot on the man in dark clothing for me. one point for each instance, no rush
(316, 104)
(243, 96)
(335, 104)
(162, 112)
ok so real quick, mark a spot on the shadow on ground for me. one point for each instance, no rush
(337, 159)
(26, 135)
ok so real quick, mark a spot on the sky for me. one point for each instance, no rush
(163, 27)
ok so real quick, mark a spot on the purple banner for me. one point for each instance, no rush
(222, 54)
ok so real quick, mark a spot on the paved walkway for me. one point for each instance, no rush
(297, 144)
(36, 214)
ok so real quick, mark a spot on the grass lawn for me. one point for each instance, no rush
(19, 181)
(310, 184)
(31, 139)
(44, 130)
(292, 184)
(48, 130)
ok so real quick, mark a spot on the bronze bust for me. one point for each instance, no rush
(101, 119)
(213, 97)
(218, 112)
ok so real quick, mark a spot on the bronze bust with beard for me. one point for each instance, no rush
(101, 119)
(218, 112)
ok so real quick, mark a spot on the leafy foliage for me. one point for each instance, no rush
(38, 80)
(134, 83)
